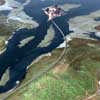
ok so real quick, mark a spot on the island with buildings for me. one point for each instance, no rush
(27, 24)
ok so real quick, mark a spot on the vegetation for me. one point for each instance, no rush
(75, 77)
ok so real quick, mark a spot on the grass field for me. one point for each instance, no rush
(75, 77)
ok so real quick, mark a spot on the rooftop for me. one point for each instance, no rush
(53, 12)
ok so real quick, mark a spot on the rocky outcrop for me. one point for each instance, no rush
(97, 27)
(2, 2)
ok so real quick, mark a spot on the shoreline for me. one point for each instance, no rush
(39, 58)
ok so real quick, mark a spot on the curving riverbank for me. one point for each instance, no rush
(79, 68)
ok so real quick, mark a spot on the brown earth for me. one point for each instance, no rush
(97, 27)
(60, 68)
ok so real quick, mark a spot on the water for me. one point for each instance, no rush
(86, 7)
(21, 1)
(17, 59)
(97, 19)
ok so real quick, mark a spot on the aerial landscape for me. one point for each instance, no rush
(49, 49)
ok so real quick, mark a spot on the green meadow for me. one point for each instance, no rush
(75, 77)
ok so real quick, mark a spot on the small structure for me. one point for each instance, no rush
(53, 12)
